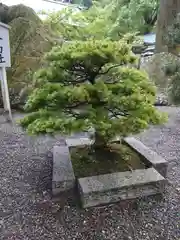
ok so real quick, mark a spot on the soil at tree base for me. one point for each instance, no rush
(118, 158)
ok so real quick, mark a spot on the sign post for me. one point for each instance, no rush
(5, 61)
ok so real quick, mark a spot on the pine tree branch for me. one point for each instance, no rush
(117, 114)
(82, 78)
(117, 65)
(76, 105)
(85, 104)
(112, 82)
(73, 114)
(87, 76)
(76, 82)
(154, 17)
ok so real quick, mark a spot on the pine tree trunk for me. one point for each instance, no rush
(167, 13)
(99, 141)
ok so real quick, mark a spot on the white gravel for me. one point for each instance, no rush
(28, 212)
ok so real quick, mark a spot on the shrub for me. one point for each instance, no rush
(87, 85)
(172, 37)
(172, 70)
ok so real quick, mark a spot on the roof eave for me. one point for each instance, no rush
(4, 25)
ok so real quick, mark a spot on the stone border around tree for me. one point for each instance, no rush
(114, 187)
(109, 188)
(63, 178)
(150, 157)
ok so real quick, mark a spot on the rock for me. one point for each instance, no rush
(29, 40)
(162, 100)
(23, 11)
(78, 142)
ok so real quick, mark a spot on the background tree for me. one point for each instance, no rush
(105, 20)
(80, 25)
(168, 12)
(87, 85)
(134, 16)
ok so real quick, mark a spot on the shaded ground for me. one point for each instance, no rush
(27, 211)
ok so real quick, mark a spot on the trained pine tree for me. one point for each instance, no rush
(91, 85)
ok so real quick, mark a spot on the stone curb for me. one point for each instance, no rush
(149, 156)
(63, 178)
(111, 188)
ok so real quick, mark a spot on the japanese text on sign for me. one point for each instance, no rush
(1, 53)
(5, 59)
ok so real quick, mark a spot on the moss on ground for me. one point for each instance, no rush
(116, 158)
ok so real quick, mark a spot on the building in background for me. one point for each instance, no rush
(84, 3)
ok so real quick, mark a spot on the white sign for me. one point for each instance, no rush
(5, 57)
(5, 61)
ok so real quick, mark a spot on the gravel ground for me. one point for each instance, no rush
(28, 212)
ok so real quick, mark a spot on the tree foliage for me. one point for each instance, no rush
(134, 15)
(91, 85)
(73, 24)
(105, 19)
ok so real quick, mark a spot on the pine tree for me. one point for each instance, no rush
(91, 84)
